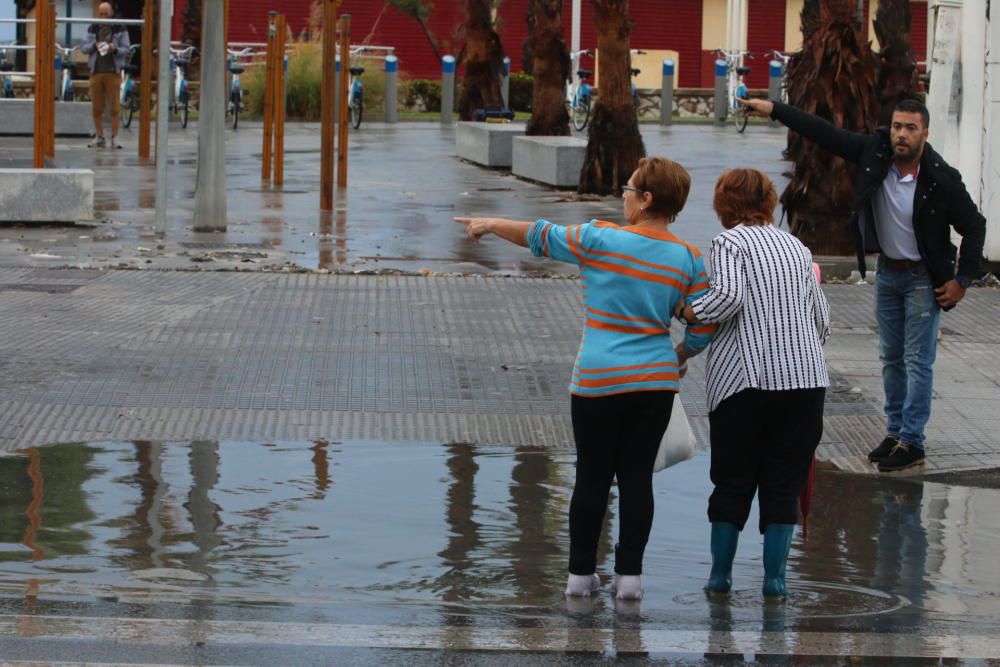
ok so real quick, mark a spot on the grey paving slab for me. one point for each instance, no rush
(91, 355)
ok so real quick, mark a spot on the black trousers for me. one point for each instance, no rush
(763, 443)
(616, 436)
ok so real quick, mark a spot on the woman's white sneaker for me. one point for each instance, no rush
(628, 587)
(582, 585)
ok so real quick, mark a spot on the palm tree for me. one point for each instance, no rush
(833, 77)
(614, 145)
(897, 71)
(483, 61)
(550, 66)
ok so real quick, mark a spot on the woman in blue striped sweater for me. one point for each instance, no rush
(627, 370)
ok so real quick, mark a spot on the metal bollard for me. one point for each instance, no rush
(667, 93)
(391, 86)
(505, 83)
(775, 72)
(336, 94)
(721, 94)
(447, 88)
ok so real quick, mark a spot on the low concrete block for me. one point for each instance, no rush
(551, 160)
(488, 144)
(46, 195)
(72, 118)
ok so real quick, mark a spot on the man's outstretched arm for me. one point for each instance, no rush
(843, 143)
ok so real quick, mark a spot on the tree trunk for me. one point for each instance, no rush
(897, 72)
(614, 145)
(551, 67)
(834, 78)
(528, 45)
(483, 61)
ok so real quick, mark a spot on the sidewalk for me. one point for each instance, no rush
(125, 355)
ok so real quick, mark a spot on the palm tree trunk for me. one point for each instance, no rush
(551, 71)
(834, 78)
(897, 71)
(483, 61)
(614, 145)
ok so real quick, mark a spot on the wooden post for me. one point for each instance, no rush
(44, 139)
(279, 100)
(39, 143)
(146, 78)
(345, 79)
(265, 162)
(330, 8)
(50, 83)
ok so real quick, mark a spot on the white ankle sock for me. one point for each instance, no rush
(582, 585)
(628, 587)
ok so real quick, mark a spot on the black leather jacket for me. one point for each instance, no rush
(941, 200)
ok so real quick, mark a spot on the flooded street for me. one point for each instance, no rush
(464, 537)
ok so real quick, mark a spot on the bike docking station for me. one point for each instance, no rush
(667, 93)
(721, 91)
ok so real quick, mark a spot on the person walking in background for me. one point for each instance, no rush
(106, 46)
(906, 201)
(627, 370)
(766, 375)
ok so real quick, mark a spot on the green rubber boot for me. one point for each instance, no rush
(725, 536)
(777, 542)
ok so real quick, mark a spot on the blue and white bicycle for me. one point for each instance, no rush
(180, 92)
(235, 103)
(7, 79)
(736, 88)
(579, 96)
(65, 64)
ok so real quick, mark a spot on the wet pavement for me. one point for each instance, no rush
(406, 184)
(374, 545)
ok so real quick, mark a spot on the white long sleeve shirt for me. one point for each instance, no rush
(772, 314)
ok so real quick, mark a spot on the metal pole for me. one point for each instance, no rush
(667, 93)
(721, 94)
(505, 83)
(776, 71)
(162, 113)
(391, 87)
(146, 78)
(447, 88)
(345, 50)
(336, 92)
(265, 162)
(210, 189)
(327, 104)
(279, 100)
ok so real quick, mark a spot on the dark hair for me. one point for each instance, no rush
(911, 105)
(745, 196)
(667, 181)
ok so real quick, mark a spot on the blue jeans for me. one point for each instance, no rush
(908, 316)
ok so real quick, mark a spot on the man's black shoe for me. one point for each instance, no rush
(902, 457)
(882, 452)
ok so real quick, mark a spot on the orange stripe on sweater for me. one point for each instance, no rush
(628, 379)
(624, 328)
(658, 323)
(635, 273)
(615, 369)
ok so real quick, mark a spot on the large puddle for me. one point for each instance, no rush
(477, 534)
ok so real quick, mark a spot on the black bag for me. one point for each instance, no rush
(493, 112)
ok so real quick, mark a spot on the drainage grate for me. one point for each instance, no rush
(46, 288)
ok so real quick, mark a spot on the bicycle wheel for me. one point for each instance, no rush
(128, 111)
(581, 113)
(184, 113)
(740, 117)
(234, 103)
(68, 93)
(357, 109)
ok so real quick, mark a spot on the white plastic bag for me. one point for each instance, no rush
(678, 442)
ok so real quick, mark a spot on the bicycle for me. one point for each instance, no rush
(7, 79)
(130, 89)
(635, 89)
(578, 93)
(180, 91)
(356, 91)
(235, 103)
(735, 86)
(782, 58)
(65, 63)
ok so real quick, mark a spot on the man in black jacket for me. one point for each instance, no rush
(906, 200)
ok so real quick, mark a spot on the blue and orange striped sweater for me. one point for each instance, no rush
(632, 278)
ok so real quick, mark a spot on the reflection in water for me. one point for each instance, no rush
(477, 529)
(332, 238)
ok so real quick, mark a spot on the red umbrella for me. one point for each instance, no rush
(805, 499)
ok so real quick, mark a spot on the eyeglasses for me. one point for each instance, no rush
(629, 188)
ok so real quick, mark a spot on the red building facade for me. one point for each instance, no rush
(658, 24)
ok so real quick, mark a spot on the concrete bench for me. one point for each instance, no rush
(551, 160)
(46, 195)
(72, 118)
(487, 144)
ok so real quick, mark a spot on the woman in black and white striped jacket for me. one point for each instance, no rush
(767, 375)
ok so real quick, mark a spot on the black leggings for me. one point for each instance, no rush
(616, 436)
(763, 443)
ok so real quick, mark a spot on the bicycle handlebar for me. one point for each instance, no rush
(241, 53)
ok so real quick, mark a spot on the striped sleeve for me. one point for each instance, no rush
(729, 284)
(698, 336)
(555, 241)
(821, 309)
